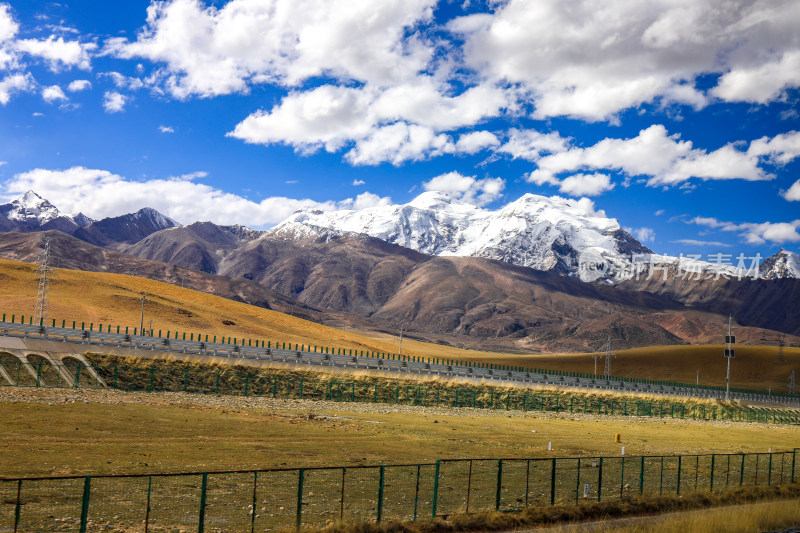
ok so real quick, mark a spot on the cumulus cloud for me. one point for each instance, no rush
(114, 102)
(666, 159)
(208, 51)
(755, 233)
(532, 144)
(357, 182)
(15, 83)
(793, 193)
(100, 193)
(405, 122)
(57, 52)
(468, 189)
(53, 93)
(586, 184)
(592, 61)
(645, 234)
(79, 85)
(475, 141)
(166, 129)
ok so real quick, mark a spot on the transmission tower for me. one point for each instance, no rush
(609, 355)
(44, 273)
(792, 384)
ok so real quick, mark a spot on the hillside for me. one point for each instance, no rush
(116, 299)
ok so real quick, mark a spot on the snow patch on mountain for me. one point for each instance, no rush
(30, 209)
(567, 236)
(783, 265)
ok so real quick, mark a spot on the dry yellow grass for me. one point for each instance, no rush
(103, 298)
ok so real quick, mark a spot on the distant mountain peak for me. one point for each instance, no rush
(782, 265)
(544, 233)
(30, 209)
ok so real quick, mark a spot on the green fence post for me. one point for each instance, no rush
(301, 387)
(711, 482)
(741, 473)
(255, 502)
(216, 385)
(39, 374)
(769, 471)
(77, 377)
(300, 476)
(435, 499)
(18, 505)
(680, 460)
(553, 481)
(246, 383)
(147, 508)
(416, 493)
(380, 492)
(641, 477)
(202, 519)
(87, 483)
(600, 480)
(498, 495)
(661, 479)
(794, 455)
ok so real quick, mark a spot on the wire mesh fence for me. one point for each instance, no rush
(269, 500)
(182, 376)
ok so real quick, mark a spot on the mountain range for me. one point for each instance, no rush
(542, 274)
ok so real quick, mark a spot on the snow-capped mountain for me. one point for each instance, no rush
(784, 264)
(31, 212)
(566, 236)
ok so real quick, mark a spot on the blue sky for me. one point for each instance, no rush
(679, 118)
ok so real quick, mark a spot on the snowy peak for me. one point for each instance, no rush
(783, 265)
(545, 233)
(30, 209)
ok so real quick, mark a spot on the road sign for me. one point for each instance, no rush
(730, 339)
(730, 353)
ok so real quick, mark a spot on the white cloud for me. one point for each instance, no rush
(209, 51)
(659, 212)
(356, 183)
(53, 93)
(754, 232)
(8, 27)
(760, 83)
(398, 124)
(586, 184)
(591, 60)
(778, 150)
(114, 102)
(79, 85)
(467, 189)
(123, 82)
(645, 234)
(397, 143)
(664, 158)
(475, 141)
(793, 193)
(695, 242)
(166, 129)
(100, 194)
(14, 83)
(57, 52)
(532, 144)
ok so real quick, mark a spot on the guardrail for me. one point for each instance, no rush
(280, 499)
(324, 356)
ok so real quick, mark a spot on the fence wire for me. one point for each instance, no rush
(269, 500)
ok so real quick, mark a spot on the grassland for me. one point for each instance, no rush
(62, 431)
(102, 298)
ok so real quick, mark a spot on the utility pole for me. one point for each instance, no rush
(400, 347)
(595, 357)
(43, 274)
(697, 382)
(141, 321)
(729, 354)
(609, 355)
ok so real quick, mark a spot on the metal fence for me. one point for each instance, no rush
(178, 376)
(208, 344)
(267, 500)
